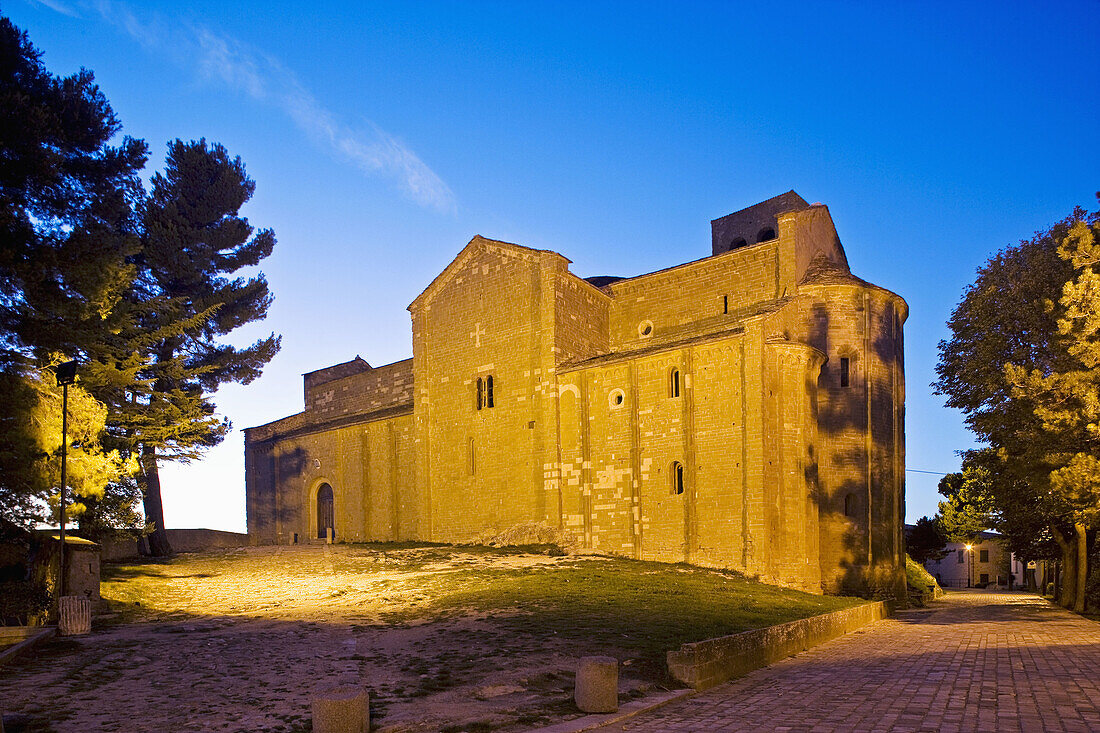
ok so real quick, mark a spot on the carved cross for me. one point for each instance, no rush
(478, 333)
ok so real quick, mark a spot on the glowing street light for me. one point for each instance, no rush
(66, 375)
(969, 552)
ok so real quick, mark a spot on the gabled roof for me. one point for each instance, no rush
(337, 371)
(478, 243)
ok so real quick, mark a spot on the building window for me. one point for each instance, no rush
(983, 555)
(849, 505)
(739, 242)
(962, 556)
(677, 477)
(615, 398)
(725, 304)
(645, 329)
(845, 371)
(765, 234)
(983, 579)
(484, 392)
(674, 382)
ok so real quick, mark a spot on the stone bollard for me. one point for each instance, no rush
(75, 615)
(597, 689)
(341, 710)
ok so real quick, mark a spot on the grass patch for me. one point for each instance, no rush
(645, 608)
(922, 586)
(631, 609)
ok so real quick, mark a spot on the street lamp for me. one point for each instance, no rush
(66, 375)
(969, 552)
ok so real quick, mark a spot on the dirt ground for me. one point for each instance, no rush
(231, 651)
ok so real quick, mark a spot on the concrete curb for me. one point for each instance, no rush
(629, 710)
(704, 664)
(31, 638)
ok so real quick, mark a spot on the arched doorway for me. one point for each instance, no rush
(326, 514)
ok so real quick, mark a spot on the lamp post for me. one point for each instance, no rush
(969, 552)
(66, 375)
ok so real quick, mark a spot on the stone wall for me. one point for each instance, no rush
(753, 457)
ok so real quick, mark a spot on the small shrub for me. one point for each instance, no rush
(921, 585)
(23, 602)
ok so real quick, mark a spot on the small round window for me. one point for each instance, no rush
(616, 398)
(645, 329)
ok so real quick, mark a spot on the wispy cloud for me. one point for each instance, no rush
(265, 79)
(56, 6)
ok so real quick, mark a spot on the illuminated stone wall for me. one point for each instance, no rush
(693, 414)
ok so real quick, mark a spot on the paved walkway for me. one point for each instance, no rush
(975, 661)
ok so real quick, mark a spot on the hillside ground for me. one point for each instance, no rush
(446, 638)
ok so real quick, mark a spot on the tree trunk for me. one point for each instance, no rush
(154, 508)
(1067, 594)
(1082, 566)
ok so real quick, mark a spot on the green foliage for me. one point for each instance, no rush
(67, 202)
(1023, 365)
(970, 508)
(22, 602)
(140, 288)
(923, 588)
(1066, 398)
(925, 540)
(30, 447)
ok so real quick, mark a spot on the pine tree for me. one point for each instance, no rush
(187, 295)
(67, 227)
(67, 202)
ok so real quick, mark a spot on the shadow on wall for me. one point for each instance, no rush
(841, 415)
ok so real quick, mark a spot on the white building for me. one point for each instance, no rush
(982, 564)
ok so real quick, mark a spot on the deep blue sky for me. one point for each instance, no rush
(382, 137)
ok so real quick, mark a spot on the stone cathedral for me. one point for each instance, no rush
(744, 410)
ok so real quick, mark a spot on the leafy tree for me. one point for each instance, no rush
(924, 541)
(30, 447)
(1009, 363)
(188, 293)
(1066, 400)
(969, 509)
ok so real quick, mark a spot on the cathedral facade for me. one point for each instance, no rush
(744, 410)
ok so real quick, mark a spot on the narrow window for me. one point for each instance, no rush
(983, 555)
(845, 371)
(489, 391)
(480, 393)
(674, 383)
(725, 304)
(849, 505)
(677, 477)
(962, 556)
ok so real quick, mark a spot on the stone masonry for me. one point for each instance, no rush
(744, 410)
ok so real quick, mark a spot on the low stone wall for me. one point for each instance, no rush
(181, 540)
(703, 664)
(16, 640)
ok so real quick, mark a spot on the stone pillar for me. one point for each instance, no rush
(597, 687)
(341, 710)
(75, 615)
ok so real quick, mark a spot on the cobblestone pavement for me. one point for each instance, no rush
(975, 661)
